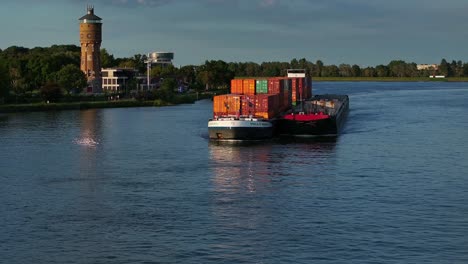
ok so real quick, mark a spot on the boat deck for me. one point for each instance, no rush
(327, 104)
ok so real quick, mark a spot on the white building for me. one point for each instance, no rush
(421, 67)
(115, 80)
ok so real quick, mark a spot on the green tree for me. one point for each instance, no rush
(107, 60)
(71, 78)
(166, 91)
(356, 70)
(5, 83)
(319, 68)
(368, 72)
(51, 92)
(444, 68)
(330, 71)
(187, 74)
(397, 68)
(381, 71)
(465, 69)
(345, 70)
(215, 74)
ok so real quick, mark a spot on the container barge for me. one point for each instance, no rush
(259, 108)
(323, 115)
(251, 110)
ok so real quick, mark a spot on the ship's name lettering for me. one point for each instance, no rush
(258, 124)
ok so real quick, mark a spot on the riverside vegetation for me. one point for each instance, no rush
(39, 75)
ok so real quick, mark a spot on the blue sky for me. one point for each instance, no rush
(363, 32)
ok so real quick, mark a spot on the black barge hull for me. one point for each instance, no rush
(330, 126)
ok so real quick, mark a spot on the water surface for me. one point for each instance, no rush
(144, 185)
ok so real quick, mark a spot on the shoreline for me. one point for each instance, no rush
(39, 107)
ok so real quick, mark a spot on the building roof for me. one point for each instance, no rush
(90, 15)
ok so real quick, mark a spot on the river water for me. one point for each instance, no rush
(144, 185)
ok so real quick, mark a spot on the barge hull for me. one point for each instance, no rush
(240, 129)
(330, 126)
(240, 133)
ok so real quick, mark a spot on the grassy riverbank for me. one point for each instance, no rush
(389, 79)
(32, 107)
(11, 108)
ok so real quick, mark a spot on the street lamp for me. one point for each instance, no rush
(149, 60)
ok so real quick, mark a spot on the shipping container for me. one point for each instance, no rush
(266, 115)
(261, 86)
(300, 86)
(237, 86)
(287, 86)
(228, 104)
(248, 105)
(294, 91)
(275, 85)
(248, 86)
(267, 105)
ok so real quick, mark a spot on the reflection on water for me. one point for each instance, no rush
(90, 135)
(258, 186)
(250, 166)
(89, 129)
(240, 165)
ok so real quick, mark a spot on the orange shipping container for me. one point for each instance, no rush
(294, 93)
(266, 115)
(249, 86)
(228, 104)
(237, 86)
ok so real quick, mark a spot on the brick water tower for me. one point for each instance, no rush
(90, 39)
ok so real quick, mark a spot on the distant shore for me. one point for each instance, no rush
(83, 105)
(12, 108)
(389, 79)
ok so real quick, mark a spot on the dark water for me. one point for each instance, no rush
(144, 185)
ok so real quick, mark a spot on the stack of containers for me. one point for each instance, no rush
(276, 86)
(263, 97)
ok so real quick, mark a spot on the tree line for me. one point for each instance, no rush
(27, 71)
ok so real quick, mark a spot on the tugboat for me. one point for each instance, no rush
(324, 115)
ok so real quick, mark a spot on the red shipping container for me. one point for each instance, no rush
(248, 105)
(274, 86)
(267, 103)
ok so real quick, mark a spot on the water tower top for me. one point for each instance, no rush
(90, 17)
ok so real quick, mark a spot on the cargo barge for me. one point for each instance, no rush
(323, 115)
(261, 108)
